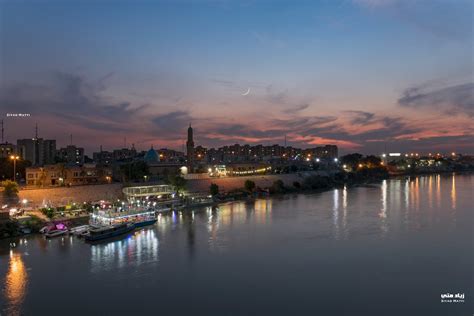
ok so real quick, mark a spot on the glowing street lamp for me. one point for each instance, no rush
(14, 158)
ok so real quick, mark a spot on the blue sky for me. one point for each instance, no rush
(314, 68)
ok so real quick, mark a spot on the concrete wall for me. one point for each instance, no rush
(78, 194)
(232, 183)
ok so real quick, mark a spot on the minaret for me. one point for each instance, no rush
(37, 149)
(190, 149)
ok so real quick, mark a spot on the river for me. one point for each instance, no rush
(391, 248)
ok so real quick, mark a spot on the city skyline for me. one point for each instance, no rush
(367, 76)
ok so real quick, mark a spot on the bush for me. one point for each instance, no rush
(316, 182)
(48, 212)
(277, 187)
(178, 182)
(214, 189)
(34, 224)
(10, 188)
(88, 207)
(297, 185)
(249, 185)
(8, 229)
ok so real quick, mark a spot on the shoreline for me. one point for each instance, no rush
(237, 194)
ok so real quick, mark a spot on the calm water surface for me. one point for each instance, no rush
(389, 249)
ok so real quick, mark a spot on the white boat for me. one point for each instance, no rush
(78, 230)
(55, 233)
(45, 229)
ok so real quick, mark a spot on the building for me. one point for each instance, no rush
(7, 149)
(38, 151)
(164, 169)
(328, 151)
(269, 154)
(104, 158)
(64, 175)
(71, 155)
(190, 149)
(170, 155)
(124, 154)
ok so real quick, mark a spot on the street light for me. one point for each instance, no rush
(14, 158)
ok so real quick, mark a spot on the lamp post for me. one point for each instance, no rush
(14, 158)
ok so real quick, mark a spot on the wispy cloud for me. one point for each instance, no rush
(451, 100)
(72, 98)
(361, 117)
(83, 106)
(296, 109)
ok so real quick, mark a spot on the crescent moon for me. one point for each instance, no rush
(247, 92)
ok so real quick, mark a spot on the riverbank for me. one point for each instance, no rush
(229, 189)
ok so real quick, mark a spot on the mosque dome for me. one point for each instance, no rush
(151, 156)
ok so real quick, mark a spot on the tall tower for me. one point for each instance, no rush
(37, 147)
(190, 149)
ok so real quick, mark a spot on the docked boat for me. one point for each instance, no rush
(46, 229)
(145, 222)
(78, 230)
(55, 233)
(100, 233)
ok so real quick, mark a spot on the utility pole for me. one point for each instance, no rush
(14, 158)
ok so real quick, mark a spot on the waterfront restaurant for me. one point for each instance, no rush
(117, 216)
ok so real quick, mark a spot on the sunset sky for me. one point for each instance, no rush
(364, 74)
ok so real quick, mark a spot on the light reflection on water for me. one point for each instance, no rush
(15, 284)
(139, 248)
(294, 232)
